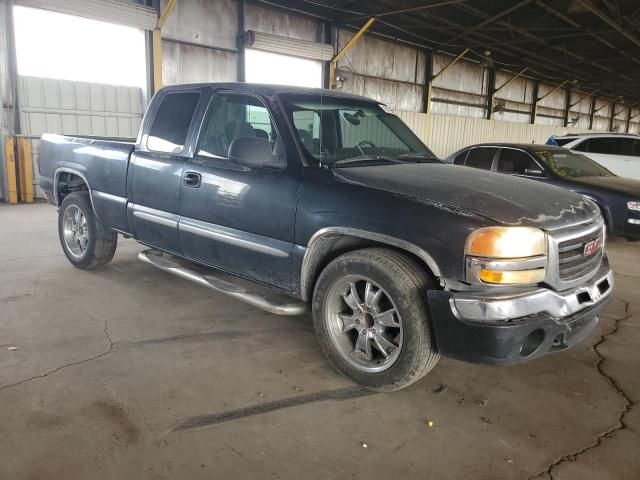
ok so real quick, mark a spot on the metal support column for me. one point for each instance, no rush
(592, 112)
(240, 59)
(567, 106)
(613, 115)
(491, 87)
(327, 37)
(534, 102)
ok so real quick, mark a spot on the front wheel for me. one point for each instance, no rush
(85, 241)
(371, 317)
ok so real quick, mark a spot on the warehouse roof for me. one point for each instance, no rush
(593, 44)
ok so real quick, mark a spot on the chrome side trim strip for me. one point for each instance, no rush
(495, 308)
(249, 241)
(334, 232)
(275, 303)
(108, 196)
(155, 216)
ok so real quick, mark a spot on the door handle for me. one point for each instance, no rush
(192, 179)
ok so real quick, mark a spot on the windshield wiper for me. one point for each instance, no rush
(343, 162)
(419, 157)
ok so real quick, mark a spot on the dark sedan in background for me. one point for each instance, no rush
(617, 197)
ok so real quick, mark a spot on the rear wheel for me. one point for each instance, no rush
(371, 317)
(85, 241)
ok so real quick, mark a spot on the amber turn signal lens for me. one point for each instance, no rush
(512, 277)
(506, 242)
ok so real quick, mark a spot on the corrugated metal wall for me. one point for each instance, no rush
(77, 108)
(445, 134)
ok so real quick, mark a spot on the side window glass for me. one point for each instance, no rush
(582, 146)
(607, 146)
(460, 158)
(626, 146)
(480, 158)
(636, 148)
(233, 116)
(170, 126)
(515, 162)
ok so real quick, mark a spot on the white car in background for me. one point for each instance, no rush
(619, 153)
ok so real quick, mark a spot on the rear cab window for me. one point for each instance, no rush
(168, 132)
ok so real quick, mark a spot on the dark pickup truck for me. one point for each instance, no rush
(288, 198)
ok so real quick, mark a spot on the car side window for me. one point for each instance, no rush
(460, 158)
(515, 162)
(232, 116)
(629, 147)
(609, 146)
(480, 158)
(170, 126)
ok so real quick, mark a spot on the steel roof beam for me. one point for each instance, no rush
(491, 19)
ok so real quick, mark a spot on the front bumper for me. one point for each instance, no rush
(513, 328)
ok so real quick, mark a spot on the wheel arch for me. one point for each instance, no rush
(67, 180)
(329, 243)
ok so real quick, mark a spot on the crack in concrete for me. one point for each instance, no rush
(628, 403)
(71, 364)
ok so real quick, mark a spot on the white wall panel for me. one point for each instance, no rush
(445, 134)
(76, 108)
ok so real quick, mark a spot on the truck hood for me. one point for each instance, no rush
(501, 198)
(626, 186)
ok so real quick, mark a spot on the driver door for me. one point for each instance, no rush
(233, 217)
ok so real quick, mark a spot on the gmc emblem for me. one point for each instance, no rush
(591, 247)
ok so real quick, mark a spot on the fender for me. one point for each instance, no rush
(56, 179)
(315, 247)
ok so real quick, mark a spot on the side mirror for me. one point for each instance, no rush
(253, 152)
(533, 172)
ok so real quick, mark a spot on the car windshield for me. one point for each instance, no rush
(569, 164)
(350, 132)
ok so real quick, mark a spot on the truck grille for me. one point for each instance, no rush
(570, 266)
(573, 263)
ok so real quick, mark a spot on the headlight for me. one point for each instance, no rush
(635, 206)
(506, 256)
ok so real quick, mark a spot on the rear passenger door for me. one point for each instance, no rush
(155, 170)
(608, 152)
(233, 217)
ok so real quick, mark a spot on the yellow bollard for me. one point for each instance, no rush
(12, 179)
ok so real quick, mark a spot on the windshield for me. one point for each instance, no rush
(345, 131)
(569, 164)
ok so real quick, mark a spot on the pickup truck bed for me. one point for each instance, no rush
(100, 163)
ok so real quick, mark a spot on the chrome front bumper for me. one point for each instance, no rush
(481, 307)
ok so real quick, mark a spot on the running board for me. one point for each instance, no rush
(262, 298)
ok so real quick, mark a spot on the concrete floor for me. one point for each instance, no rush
(128, 373)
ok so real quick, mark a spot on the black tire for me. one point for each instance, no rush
(407, 284)
(102, 242)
